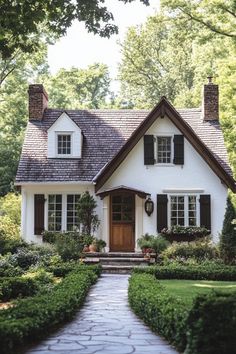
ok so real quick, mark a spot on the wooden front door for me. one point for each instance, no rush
(122, 222)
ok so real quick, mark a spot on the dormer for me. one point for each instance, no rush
(64, 138)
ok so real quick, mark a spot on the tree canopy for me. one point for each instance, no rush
(78, 88)
(23, 21)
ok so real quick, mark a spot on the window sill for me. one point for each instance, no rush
(164, 164)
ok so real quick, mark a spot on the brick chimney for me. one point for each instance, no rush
(210, 103)
(38, 101)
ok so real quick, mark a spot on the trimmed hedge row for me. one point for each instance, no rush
(164, 313)
(192, 272)
(32, 317)
(208, 327)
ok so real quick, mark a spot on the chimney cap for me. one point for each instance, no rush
(210, 77)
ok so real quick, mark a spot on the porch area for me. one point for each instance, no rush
(119, 262)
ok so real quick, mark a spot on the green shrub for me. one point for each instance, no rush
(198, 250)
(33, 317)
(197, 272)
(152, 243)
(9, 235)
(65, 268)
(228, 235)
(211, 324)
(13, 288)
(10, 205)
(28, 285)
(164, 313)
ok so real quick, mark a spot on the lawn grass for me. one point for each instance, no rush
(189, 289)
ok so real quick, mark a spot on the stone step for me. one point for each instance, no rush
(114, 254)
(117, 262)
(121, 269)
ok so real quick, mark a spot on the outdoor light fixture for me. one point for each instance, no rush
(149, 206)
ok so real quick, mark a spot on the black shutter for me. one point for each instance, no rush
(38, 214)
(205, 211)
(178, 150)
(148, 150)
(161, 211)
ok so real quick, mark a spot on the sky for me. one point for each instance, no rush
(80, 48)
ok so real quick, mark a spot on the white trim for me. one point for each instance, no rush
(186, 210)
(52, 183)
(180, 190)
(69, 133)
(167, 135)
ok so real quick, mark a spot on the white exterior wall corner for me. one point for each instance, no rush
(195, 174)
(27, 216)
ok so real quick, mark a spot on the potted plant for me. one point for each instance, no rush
(184, 233)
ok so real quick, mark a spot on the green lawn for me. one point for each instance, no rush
(188, 289)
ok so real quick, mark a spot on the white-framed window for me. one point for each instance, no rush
(61, 212)
(164, 149)
(54, 212)
(64, 144)
(183, 210)
(72, 223)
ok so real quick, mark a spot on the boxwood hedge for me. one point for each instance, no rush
(32, 317)
(192, 272)
(207, 326)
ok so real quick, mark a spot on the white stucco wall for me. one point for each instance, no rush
(194, 176)
(64, 124)
(27, 219)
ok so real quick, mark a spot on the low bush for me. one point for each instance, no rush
(7, 269)
(211, 324)
(206, 326)
(28, 285)
(164, 313)
(198, 250)
(13, 288)
(195, 272)
(33, 317)
(61, 270)
(9, 235)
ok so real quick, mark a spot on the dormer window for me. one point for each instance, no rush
(64, 144)
(65, 139)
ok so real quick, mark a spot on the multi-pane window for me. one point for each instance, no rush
(183, 210)
(54, 212)
(72, 215)
(163, 149)
(192, 210)
(177, 210)
(64, 144)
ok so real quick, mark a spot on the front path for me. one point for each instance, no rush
(105, 325)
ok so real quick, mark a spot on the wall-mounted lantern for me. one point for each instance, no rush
(149, 206)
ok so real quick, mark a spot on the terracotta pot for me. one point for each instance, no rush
(92, 248)
(86, 248)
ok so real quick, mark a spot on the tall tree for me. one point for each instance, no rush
(217, 16)
(14, 113)
(156, 61)
(78, 88)
(23, 21)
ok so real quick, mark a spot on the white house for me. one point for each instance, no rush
(177, 158)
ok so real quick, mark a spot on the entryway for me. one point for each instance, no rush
(122, 233)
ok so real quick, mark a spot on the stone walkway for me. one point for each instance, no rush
(105, 325)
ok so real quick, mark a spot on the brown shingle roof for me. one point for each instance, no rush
(105, 132)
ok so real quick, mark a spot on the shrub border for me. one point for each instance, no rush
(32, 316)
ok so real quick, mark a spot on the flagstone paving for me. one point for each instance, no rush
(105, 325)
